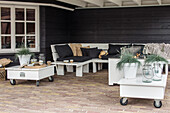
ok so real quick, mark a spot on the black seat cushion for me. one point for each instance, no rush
(85, 51)
(76, 58)
(114, 49)
(94, 53)
(64, 51)
(106, 57)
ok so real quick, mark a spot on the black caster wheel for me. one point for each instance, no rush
(37, 83)
(51, 79)
(123, 101)
(12, 82)
(157, 104)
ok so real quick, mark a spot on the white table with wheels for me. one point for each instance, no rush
(114, 74)
(135, 88)
(17, 73)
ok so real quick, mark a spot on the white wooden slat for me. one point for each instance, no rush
(137, 2)
(160, 2)
(74, 2)
(117, 2)
(95, 2)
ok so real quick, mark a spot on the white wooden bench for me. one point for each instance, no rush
(81, 67)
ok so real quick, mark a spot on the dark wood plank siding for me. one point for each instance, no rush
(138, 25)
(56, 28)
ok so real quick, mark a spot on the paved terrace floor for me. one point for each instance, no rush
(70, 94)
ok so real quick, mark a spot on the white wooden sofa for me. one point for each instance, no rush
(84, 66)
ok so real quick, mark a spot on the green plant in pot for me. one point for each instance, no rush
(24, 56)
(157, 63)
(129, 64)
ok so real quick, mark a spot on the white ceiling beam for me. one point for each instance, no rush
(117, 2)
(99, 3)
(74, 2)
(160, 2)
(137, 2)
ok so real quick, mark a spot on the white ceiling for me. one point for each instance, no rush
(115, 3)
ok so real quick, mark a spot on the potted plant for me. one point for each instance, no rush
(129, 64)
(157, 63)
(24, 56)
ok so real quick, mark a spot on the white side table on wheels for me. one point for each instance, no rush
(17, 73)
(135, 88)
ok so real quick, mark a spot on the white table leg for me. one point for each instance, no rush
(99, 66)
(166, 69)
(86, 68)
(60, 70)
(79, 71)
(94, 67)
(69, 68)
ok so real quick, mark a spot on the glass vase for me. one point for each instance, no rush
(147, 73)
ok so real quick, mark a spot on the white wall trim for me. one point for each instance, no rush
(35, 4)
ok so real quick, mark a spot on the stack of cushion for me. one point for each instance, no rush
(65, 53)
(80, 54)
(76, 52)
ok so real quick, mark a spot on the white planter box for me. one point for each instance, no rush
(24, 59)
(130, 70)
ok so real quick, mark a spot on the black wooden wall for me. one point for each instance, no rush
(54, 28)
(138, 25)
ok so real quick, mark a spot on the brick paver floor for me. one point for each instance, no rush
(70, 94)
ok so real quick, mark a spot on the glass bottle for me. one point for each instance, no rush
(41, 58)
(157, 67)
(147, 73)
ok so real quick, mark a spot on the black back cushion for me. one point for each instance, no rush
(94, 53)
(64, 51)
(114, 49)
(85, 51)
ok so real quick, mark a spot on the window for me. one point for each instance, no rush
(19, 27)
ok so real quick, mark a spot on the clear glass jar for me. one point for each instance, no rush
(147, 73)
(157, 67)
(42, 58)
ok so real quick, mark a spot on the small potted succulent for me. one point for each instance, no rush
(24, 56)
(129, 64)
(157, 62)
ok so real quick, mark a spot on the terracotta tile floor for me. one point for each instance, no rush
(70, 94)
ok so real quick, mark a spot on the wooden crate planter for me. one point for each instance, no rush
(2, 73)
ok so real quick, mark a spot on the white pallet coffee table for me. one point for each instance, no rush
(135, 88)
(18, 73)
(81, 67)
